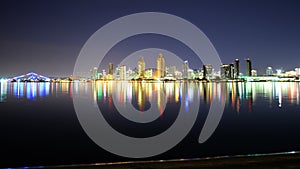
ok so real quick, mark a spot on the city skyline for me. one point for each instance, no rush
(166, 71)
(46, 37)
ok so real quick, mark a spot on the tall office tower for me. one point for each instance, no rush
(208, 71)
(204, 72)
(117, 72)
(111, 69)
(141, 67)
(160, 65)
(248, 67)
(231, 71)
(237, 68)
(223, 71)
(123, 72)
(269, 71)
(185, 68)
(94, 73)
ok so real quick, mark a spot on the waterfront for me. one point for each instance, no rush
(39, 119)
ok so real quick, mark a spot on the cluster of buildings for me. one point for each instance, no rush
(226, 72)
(161, 72)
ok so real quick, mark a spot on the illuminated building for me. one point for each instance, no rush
(123, 72)
(269, 71)
(99, 75)
(191, 74)
(178, 74)
(141, 67)
(170, 70)
(148, 73)
(117, 73)
(227, 71)
(185, 68)
(290, 73)
(279, 72)
(248, 67)
(196, 73)
(253, 73)
(103, 73)
(111, 69)
(231, 71)
(224, 71)
(94, 73)
(207, 72)
(297, 70)
(160, 66)
(237, 68)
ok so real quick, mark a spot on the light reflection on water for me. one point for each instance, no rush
(235, 94)
(32, 90)
(29, 91)
(271, 127)
(3, 91)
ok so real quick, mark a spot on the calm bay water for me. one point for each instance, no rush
(39, 126)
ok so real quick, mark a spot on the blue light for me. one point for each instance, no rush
(31, 77)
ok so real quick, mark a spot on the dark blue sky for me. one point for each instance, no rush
(47, 36)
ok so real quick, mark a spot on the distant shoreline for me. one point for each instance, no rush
(150, 81)
(257, 161)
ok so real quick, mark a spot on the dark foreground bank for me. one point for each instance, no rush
(270, 161)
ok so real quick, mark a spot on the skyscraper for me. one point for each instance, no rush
(237, 68)
(94, 73)
(123, 72)
(111, 69)
(117, 72)
(231, 71)
(204, 72)
(141, 67)
(248, 67)
(185, 68)
(160, 65)
(208, 71)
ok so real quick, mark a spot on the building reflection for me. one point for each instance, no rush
(236, 95)
(3, 91)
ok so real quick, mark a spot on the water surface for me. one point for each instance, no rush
(39, 126)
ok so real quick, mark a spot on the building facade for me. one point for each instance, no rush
(160, 66)
(248, 67)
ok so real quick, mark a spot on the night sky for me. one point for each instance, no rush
(46, 36)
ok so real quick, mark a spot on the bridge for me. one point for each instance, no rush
(30, 77)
